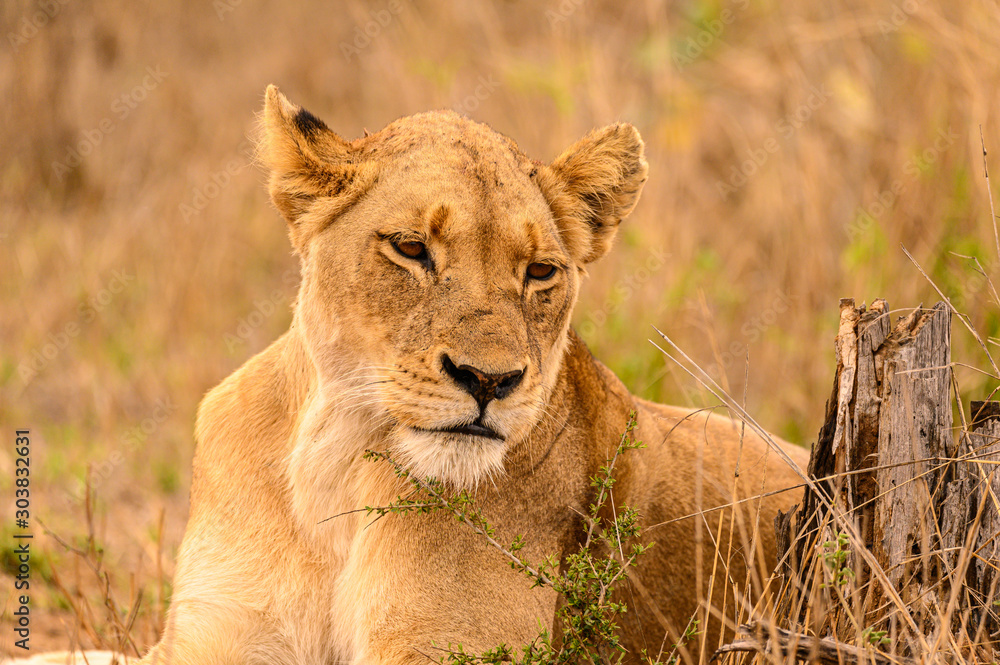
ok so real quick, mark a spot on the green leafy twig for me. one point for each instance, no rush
(461, 506)
(587, 615)
(835, 558)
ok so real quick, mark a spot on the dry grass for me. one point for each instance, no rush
(147, 305)
(833, 598)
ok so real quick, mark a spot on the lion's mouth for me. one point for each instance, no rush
(472, 429)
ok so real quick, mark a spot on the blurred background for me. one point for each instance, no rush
(793, 148)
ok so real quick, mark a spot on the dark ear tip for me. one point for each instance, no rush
(308, 124)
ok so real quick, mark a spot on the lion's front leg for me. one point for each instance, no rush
(440, 586)
(217, 633)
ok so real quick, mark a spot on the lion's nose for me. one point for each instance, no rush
(483, 386)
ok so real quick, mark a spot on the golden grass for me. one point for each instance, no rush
(837, 105)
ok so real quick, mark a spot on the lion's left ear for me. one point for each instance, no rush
(592, 186)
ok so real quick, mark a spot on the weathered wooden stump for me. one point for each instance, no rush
(972, 515)
(898, 552)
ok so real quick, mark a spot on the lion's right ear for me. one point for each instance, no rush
(315, 174)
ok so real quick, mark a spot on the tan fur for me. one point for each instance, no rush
(274, 566)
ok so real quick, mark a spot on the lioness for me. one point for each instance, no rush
(440, 267)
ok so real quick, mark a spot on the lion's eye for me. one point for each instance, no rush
(541, 271)
(411, 249)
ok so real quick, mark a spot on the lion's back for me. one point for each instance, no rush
(695, 467)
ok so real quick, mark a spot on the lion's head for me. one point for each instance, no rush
(440, 267)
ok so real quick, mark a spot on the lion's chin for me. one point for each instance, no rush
(459, 460)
